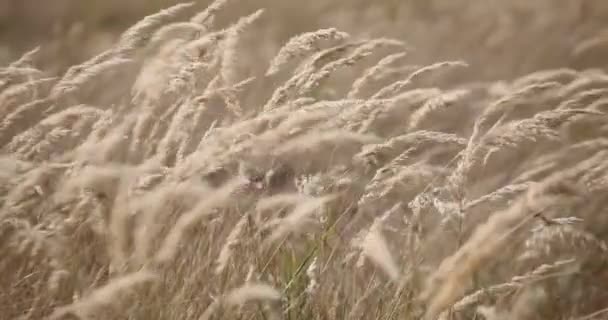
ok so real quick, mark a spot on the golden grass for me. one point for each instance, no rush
(161, 179)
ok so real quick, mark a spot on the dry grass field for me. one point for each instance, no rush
(416, 159)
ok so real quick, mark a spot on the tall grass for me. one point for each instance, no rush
(159, 180)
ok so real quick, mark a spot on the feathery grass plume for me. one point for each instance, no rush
(159, 130)
(504, 194)
(16, 95)
(362, 115)
(360, 52)
(306, 142)
(91, 305)
(388, 183)
(199, 126)
(64, 120)
(543, 125)
(22, 118)
(309, 66)
(99, 130)
(110, 147)
(111, 183)
(215, 199)
(168, 146)
(138, 35)
(588, 45)
(192, 65)
(303, 72)
(443, 101)
(205, 18)
(74, 71)
(177, 30)
(378, 154)
(375, 248)
(268, 140)
(84, 77)
(271, 202)
(589, 82)
(396, 87)
(234, 238)
(561, 75)
(104, 181)
(378, 115)
(28, 187)
(516, 283)
(569, 156)
(360, 83)
(153, 206)
(45, 143)
(582, 99)
(141, 130)
(84, 198)
(297, 220)
(12, 76)
(504, 105)
(491, 117)
(229, 47)
(252, 292)
(229, 95)
(448, 283)
(301, 44)
(394, 72)
(26, 60)
(559, 235)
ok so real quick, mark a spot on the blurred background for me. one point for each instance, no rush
(500, 39)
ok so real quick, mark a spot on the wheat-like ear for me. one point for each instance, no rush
(205, 18)
(26, 60)
(12, 76)
(381, 153)
(434, 105)
(502, 106)
(396, 87)
(65, 120)
(227, 249)
(362, 51)
(251, 292)
(300, 45)
(104, 296)
(216, 199)
(361, 82)
(19, 94)
(561, 75)
(230, 50)
(375, 248)
(542, 126)
(588, 45)
(139, 34)
(516, 282)
(503, 194)
(84, 77)
(74, 71)
(288, 90)
(180, 30)
(449, 281)
(297, 219)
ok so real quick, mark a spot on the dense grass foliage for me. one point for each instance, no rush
(183, 173)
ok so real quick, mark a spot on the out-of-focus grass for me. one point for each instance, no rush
(515, 37)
